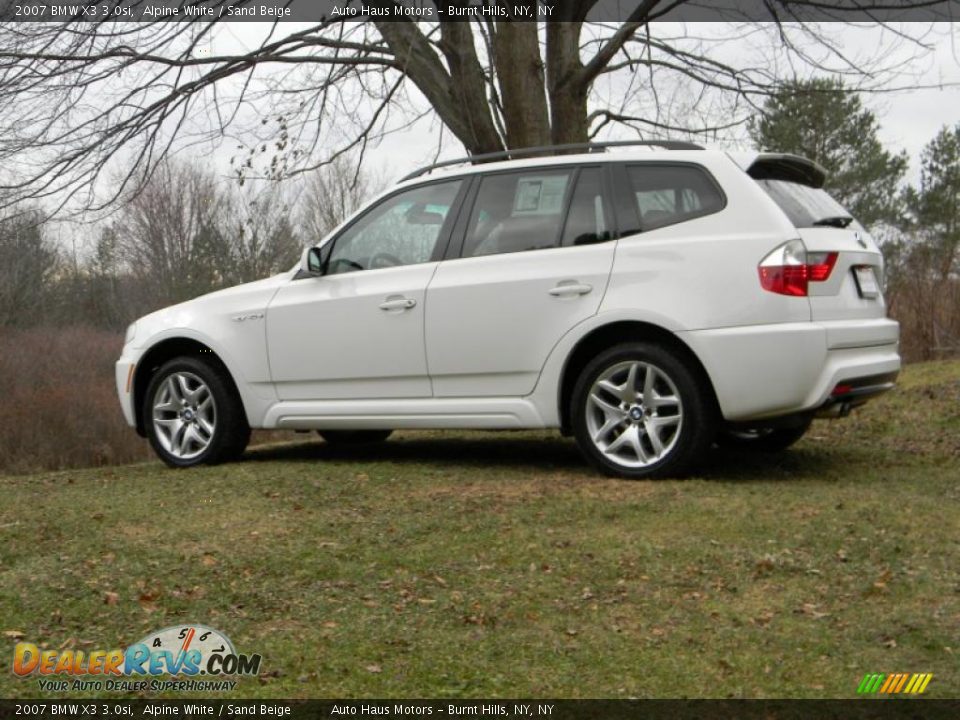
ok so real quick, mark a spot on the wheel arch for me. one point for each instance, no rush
(165, 350)
(617, 333)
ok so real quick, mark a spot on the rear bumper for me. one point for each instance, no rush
(768, 371)
(853, 393)
(845, 334)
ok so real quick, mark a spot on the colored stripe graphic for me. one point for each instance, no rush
(870, 683)
(894, 683)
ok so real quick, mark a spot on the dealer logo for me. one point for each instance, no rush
(182, 650)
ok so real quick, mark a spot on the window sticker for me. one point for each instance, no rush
(540, 195)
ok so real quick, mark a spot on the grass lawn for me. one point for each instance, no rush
(498, 564)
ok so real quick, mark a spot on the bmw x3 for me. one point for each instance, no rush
(647, 300)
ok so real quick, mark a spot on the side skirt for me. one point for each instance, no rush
(419, 413)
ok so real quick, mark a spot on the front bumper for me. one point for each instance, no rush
(123, 373)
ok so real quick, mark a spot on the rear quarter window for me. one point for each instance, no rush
(669, 194)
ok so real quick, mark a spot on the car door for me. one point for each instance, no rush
(534, 259)
(357, 331)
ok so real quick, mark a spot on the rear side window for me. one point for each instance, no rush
(518, 211)
(588, 218)
(804, 205)
(670, 194)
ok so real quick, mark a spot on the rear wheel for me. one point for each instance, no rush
(193, 415)
(765, 439)
(354, 437)
(640, 411)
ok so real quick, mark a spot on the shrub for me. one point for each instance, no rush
(60, 404)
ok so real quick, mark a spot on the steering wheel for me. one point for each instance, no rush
(391, 260)
(345, 261)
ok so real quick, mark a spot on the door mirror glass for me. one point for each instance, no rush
(310, 262)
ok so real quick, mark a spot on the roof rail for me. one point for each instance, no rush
(553, 150)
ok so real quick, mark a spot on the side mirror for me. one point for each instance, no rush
(310, 262)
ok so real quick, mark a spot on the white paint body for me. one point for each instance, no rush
(484, 343)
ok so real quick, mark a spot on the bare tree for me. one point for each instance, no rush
(333, 192)
(925, 284)
(264, 240)
(171, 235)
(101, 291)
(77, 97)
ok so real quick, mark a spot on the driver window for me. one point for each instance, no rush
(402, 230)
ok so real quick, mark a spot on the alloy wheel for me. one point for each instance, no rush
(184, 415)
(634, 414)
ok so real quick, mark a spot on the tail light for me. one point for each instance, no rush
(820, 265)
(790, 268)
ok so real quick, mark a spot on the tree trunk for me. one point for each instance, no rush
(469, 87)
(416, 58)
(519, 70)
(565, 84)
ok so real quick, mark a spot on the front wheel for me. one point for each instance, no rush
(639, 411)
(193, 415)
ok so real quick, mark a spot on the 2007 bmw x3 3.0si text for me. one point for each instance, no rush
(648, 300)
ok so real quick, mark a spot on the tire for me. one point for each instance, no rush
(193, 415)
(663, 435)
(354, 437)
(761, 438)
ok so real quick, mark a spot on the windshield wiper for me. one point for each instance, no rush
(840, 221)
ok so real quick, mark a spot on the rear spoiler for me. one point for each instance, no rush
(784, 166)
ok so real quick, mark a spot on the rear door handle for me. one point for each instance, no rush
(570, 287)
(398, 302)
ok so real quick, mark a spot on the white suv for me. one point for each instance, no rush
(649, 301)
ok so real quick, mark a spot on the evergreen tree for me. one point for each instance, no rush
(934, 206)
(826, 122)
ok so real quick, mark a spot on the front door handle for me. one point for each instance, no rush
(570, 287)
(397, 302)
